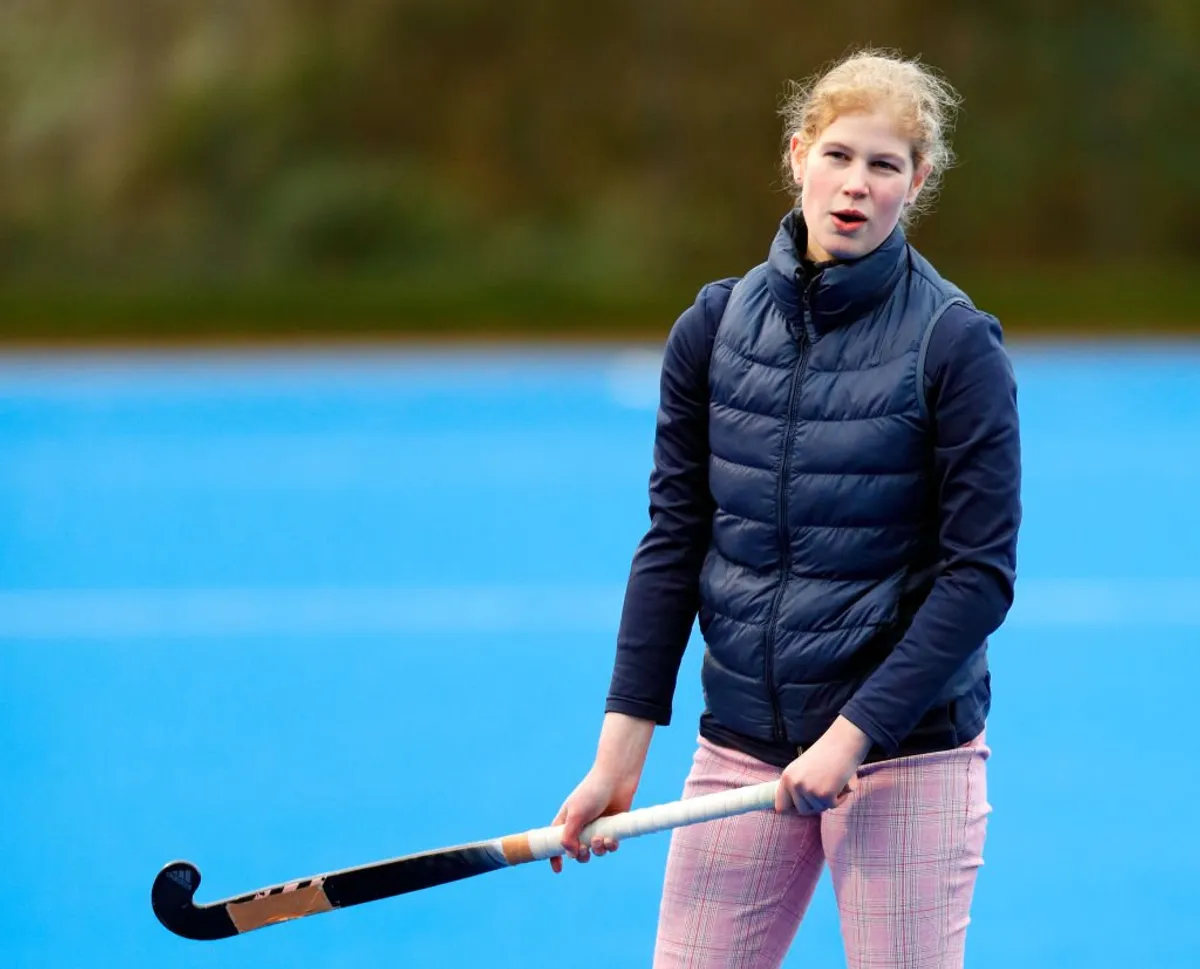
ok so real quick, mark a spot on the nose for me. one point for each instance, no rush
(856, 182)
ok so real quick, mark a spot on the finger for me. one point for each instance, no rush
(797, 799)
(808, 803)
(603, 846)
(820, 801)
(783, 799)
(583, 855)
(556, 862)
(572, 827)
(561, 818)
(801, 802)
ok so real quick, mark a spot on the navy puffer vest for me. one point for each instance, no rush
(824, 539)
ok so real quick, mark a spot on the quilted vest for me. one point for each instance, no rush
(824, 538)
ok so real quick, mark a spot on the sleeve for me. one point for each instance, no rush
(662, 592)
(972, 395)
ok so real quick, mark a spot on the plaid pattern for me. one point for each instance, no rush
(903, 851)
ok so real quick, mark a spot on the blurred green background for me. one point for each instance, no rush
(457, 168)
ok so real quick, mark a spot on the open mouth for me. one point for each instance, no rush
(848, 219)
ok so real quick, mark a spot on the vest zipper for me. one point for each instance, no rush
(785, 545)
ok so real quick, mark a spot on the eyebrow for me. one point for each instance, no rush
(889, 155)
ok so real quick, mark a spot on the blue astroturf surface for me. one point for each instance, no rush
(283, 613)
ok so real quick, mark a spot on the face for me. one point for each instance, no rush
(857, 179)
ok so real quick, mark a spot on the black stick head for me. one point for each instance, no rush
(172, 899)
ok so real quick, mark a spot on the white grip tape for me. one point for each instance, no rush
(547, 842)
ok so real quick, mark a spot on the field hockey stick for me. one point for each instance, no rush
(175, 886)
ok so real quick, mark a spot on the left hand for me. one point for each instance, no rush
(822, 777)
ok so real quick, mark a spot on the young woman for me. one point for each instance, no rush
(836, 494)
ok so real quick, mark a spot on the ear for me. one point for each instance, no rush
(918, 182)
(798, 157)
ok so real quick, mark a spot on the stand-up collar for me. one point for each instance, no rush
(837, 292)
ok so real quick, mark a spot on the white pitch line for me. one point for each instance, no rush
(150, 613)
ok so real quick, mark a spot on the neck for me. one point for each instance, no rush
(816, 254)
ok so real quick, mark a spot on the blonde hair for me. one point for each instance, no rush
(922, 103)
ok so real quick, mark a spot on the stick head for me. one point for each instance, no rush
(171, 897)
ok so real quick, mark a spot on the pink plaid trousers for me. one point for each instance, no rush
(903, 851)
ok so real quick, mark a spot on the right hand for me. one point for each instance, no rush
(599, 793)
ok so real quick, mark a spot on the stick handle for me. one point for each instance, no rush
(547, 842)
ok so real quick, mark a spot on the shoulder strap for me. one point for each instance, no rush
(719, 304)
(922, 397)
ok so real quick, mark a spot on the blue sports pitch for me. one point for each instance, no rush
(278, 613)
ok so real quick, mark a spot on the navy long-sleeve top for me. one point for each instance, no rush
(971, 391)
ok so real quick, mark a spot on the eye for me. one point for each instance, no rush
(887, 166)
(834, 153)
